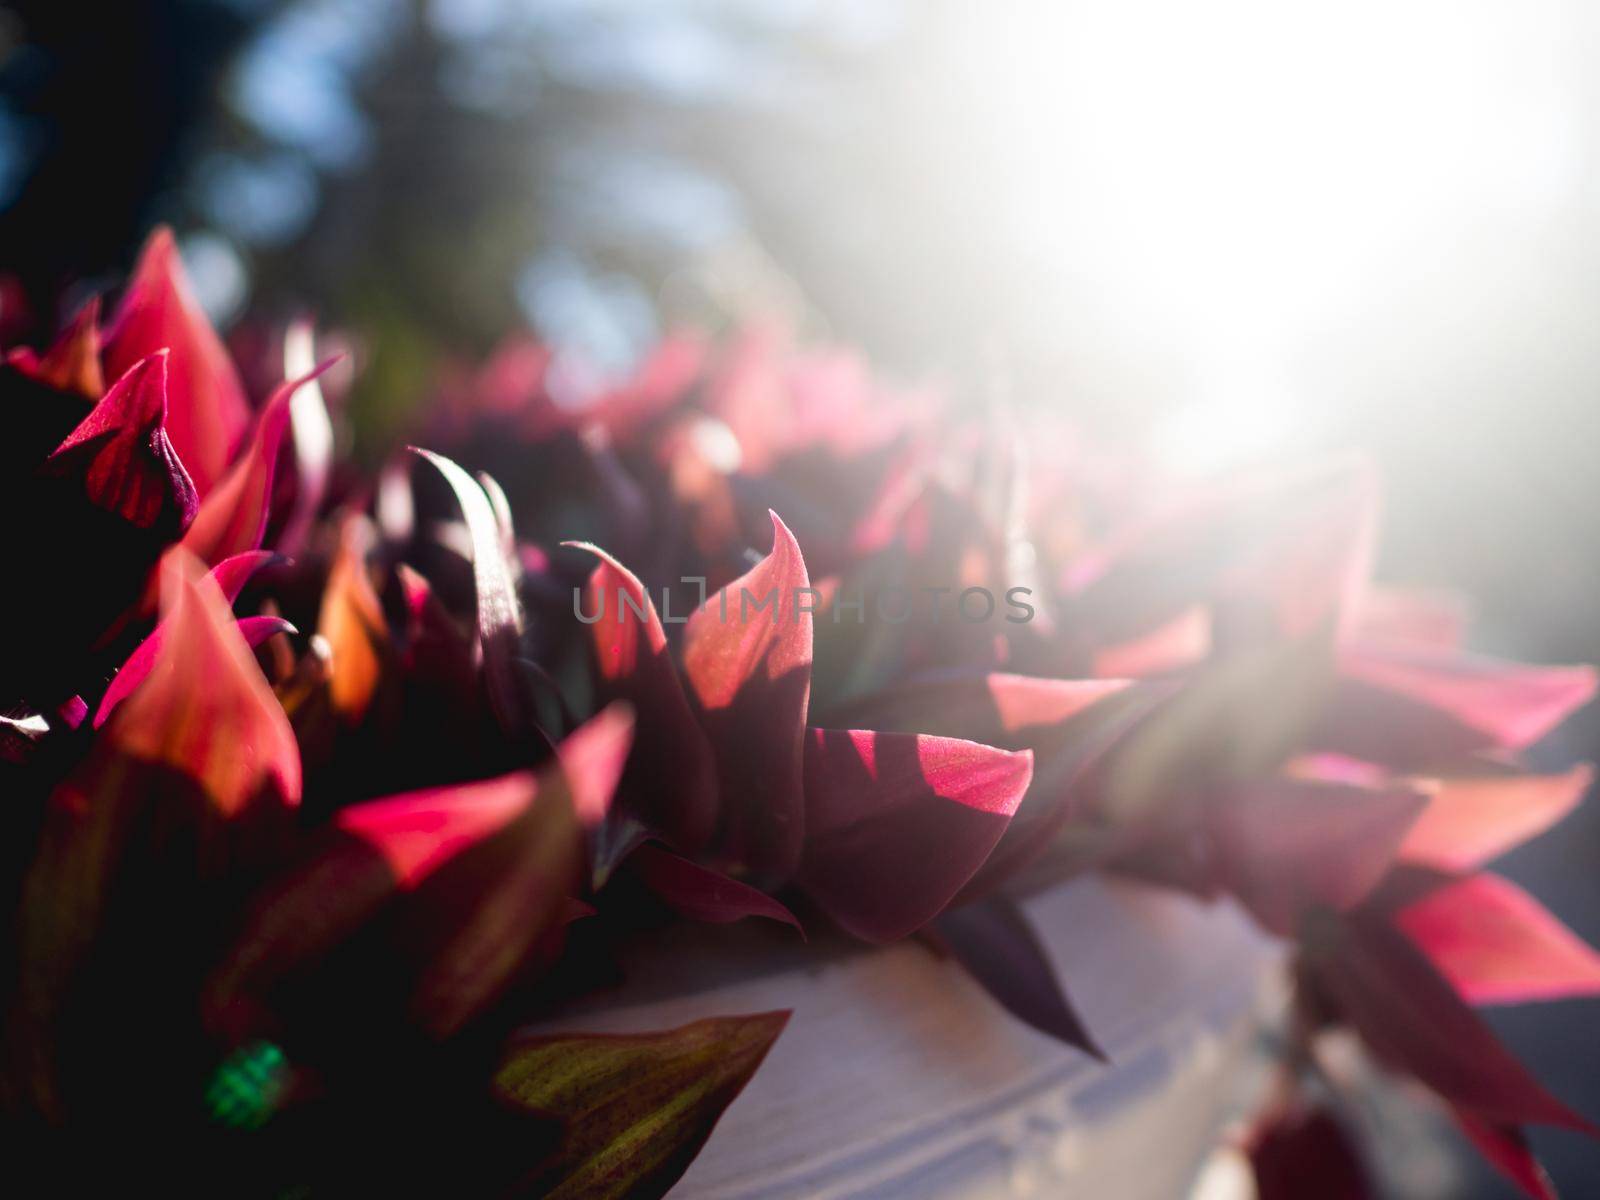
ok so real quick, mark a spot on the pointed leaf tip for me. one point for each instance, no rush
(636, 1108)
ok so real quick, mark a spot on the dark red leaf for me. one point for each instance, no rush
(1286, 845)
(749, 669)
(671, 783)
(122, 454)
(995, 942)
(1303, 1153)
(898, 823)
(1414, 1021)
(699, 893)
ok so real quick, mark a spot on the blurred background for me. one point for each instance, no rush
(1222, 230)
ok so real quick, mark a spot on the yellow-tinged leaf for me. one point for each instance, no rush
(636, 1107)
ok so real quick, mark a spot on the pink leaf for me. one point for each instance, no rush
(230, 577)
(1303, 1153)
(122, 452)
(1411, 617)
(898, 823)
(1294, 545)
(207, 412)
(1505, 1148)
(1508, 704)
(1470, 821)
(749, 668)
(72, 363)
(233, 516)
(671, 785)
(1285, 845)
(1498, 945)
(593, 758)
(230, 735)
(1413, 1020)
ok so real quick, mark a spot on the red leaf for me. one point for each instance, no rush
(593, 757)
(1285, 845)
(122, 452)
(230, 734)
(1414, 1021)
(233, 516)
(750, 670)
(994, 941)
(233, 573)
(207, 412)
(898, 823)
(996, 708)
(487, 914)
(1505, 1148)
(1498, 945)
(1436, 620)
(1507, 705)
(375, 852)
(671, 784)
(699, 893)
(417, 832)
(230, 576)
(480, 876)
(1067, 723)
(1181, 642)
(1470, 821)
(1303, 1153)
(136, 669)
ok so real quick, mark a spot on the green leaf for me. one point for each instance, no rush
(636, 1107)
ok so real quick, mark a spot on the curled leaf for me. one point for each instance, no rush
(123, 455)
